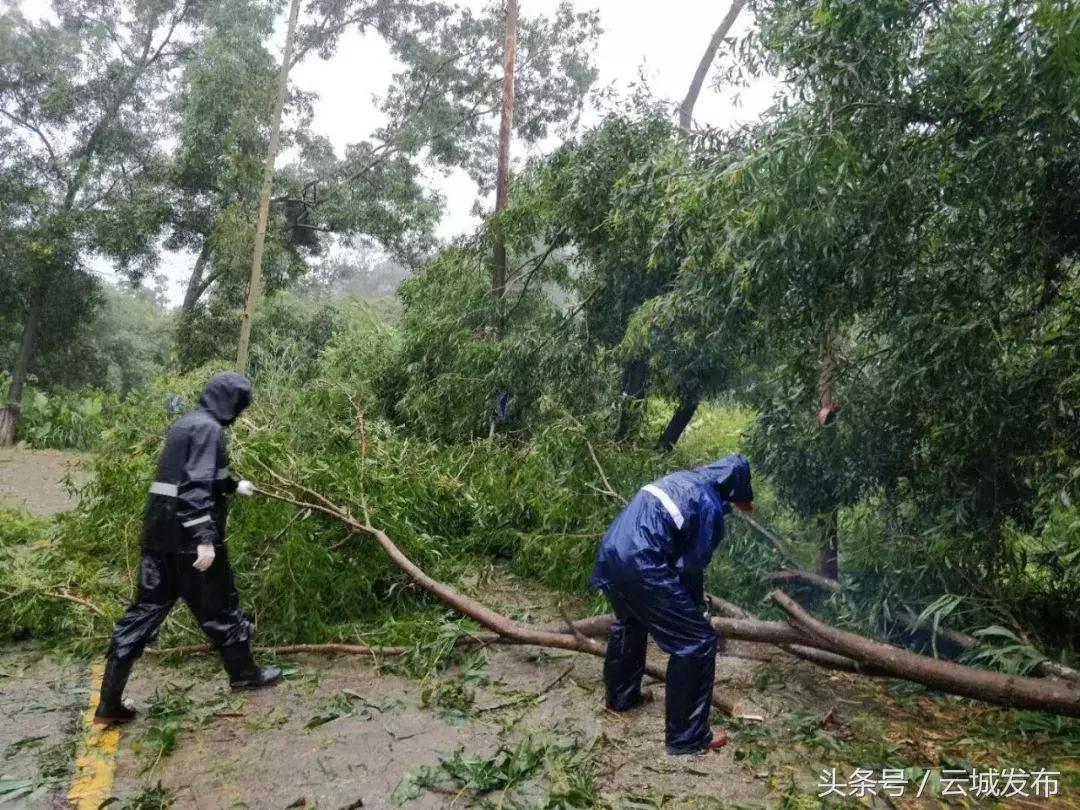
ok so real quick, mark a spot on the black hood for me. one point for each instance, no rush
(226, 396)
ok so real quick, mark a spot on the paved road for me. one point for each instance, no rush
(34, 480)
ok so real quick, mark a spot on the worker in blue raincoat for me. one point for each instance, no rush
(651, 566)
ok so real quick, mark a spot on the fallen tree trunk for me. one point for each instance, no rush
(1015, 691)
(822, 658)
(1045, 668)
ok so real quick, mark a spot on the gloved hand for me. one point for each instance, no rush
(245, 488)
(205, 557)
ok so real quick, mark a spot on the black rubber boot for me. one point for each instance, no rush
(243, 673)
(111, 707)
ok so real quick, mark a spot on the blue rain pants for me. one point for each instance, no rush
(659, 604)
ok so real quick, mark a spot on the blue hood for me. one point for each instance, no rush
(729, 477)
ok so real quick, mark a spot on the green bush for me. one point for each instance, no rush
(68, 421)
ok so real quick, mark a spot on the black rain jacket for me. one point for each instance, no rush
(187, 504)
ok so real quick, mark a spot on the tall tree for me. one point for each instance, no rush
(688, 405)
(267, 188)
(83, 96)
(441, 108)
(498, 270)
(223, 110)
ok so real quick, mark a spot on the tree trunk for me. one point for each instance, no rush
(195, 287)
(635, 386)
(686, 110)
(498, 265)
(679, 421)
(828, 553)
(264, 197)
(9, 416)
(1004, 690)
(828, 563)
(9, 425)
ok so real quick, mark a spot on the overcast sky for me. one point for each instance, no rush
(665, 40)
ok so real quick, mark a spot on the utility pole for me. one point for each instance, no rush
(498, 267)
(264, 197)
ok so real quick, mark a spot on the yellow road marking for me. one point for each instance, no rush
(95, 759)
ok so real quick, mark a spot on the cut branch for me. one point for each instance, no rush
(293, 649)
(78, 600)
(608, 489)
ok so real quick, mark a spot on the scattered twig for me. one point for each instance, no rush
(299, 515)
(603, 476)
(78, 600)
(558, 680)
(780, 546)
(401, 738)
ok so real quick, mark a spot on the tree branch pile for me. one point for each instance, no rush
(801, 635)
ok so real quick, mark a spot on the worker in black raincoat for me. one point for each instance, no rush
(183, 549)
(651, 565)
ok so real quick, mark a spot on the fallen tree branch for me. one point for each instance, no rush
(1045, 668)
(823, 658)
(1052, 669)
(781, 547)
(480, 613)
(78, 600)
(293, 649)
(966, 643)
(608, 489)
(800, 575)
(991, 687)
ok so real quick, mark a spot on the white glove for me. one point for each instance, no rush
(205, 558)
(245, 488)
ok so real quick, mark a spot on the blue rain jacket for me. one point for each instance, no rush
(674, 523)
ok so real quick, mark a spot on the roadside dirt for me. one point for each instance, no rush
(256, 750)
(342, 730)
(34, 479)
